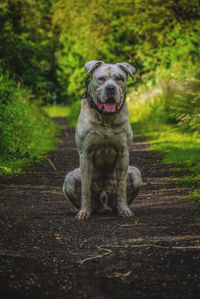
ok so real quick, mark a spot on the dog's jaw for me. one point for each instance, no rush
(109, 107)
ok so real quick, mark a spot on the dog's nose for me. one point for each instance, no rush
(110, 90)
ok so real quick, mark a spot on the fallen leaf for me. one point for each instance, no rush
(118, 274)
(58, 237)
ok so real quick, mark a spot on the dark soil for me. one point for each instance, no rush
(155, 254)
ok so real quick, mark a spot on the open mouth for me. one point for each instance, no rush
(109, 107)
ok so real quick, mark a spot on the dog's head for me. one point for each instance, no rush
(108, 84)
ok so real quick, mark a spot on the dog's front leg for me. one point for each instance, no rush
(86, 179)
(122, 172)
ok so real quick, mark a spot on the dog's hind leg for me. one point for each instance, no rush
(134, 182)
(72, 188)
(72, 191)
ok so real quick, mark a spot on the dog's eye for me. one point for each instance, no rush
(119, 79)
(102, 79)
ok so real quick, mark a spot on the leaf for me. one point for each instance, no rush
(118, 274)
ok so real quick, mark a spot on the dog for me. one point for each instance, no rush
(104, 137)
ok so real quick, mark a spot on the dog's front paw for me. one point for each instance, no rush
(83, 214)
(125, 212)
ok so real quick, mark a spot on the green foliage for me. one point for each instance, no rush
(26, 134)
(194, 195)
(147, 34)
(73, 112)
(45, 44)
(182, 105)
(25, 47)
(175, 101)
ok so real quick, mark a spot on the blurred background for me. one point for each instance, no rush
(44, 45)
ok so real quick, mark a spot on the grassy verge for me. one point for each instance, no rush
(182, 150)
(158, 112)
(27, 134)
(40, 138)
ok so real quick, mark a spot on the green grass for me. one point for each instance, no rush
(194, 196)
(71, 112)
(56, 111)
(40, 140)
(182, 150)
(27, 134)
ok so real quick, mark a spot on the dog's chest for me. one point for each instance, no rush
(106, 137)
(105, 143)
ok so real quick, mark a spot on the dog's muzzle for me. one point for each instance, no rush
(110, 106)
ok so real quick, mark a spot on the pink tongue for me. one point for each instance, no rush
(118, 106)
(109, 107)
(100, 106)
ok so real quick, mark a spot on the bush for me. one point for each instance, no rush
(26, 133)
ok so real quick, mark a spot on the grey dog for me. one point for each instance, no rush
(104, 138)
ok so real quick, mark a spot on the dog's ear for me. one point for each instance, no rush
(91, 66)
(129, 69)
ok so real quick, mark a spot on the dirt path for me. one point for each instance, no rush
(44, 249)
